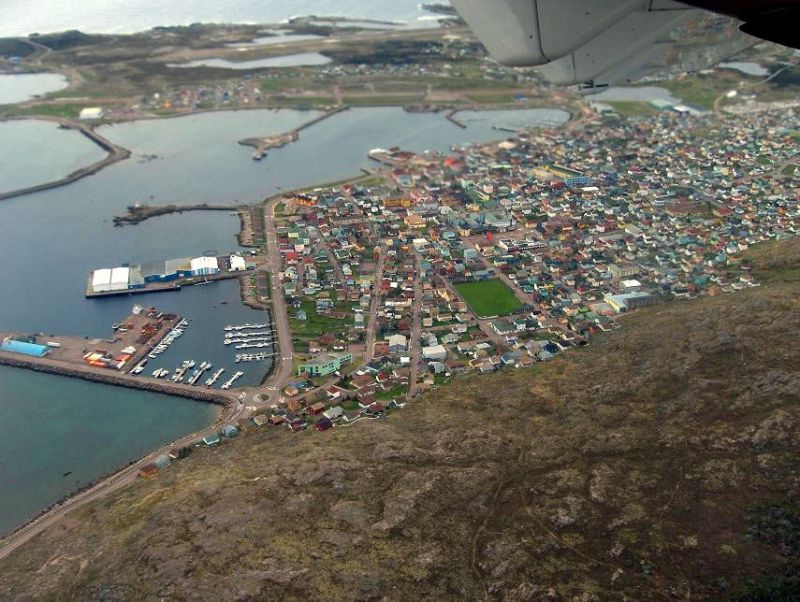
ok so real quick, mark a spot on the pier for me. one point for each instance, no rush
(119, 379)
(113, 360)
(115, 154)
(139, 213)
(262, 145)
(451, 117)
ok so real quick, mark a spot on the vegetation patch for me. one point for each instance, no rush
(489, 297)
(632, 107)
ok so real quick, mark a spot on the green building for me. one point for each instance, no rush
(325, 364)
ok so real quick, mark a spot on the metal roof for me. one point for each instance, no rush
(24, 348)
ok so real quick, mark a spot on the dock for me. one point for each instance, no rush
(139, 213)
(262, 145)
(174, 284)
(451, 117)
(99, 375)
(109, 360)
(153, 287)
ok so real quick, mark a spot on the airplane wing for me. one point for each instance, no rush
(597, 43)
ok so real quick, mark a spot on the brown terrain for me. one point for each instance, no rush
(660, 463)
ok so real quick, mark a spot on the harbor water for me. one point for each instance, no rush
(52, 239)
(34, 152)
(59, 434)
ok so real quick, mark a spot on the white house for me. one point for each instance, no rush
(435, 352)
(237, 263)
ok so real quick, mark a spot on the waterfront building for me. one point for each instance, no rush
(237, 263)
(23, 347)
(91, 113)
(204, 266)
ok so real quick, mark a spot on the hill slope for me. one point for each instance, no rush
(661, 462)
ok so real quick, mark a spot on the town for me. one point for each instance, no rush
(500, 255)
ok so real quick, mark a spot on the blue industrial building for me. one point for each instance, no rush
(166, 270)
(24, 348)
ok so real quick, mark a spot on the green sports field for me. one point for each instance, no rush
(489, 297)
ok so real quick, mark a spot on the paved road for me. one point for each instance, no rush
(372, 319)
(284, 369)
(415, 342)
(337, 269)
(236, 410)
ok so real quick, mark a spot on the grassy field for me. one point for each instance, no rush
(68, 111)
(632, 108)
(489, 297)
(317, 324)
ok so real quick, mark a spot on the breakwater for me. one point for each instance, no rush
(109, 377)
(115, 154)
(262, 145)
(139, 213)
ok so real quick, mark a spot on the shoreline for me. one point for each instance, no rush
(115, 155)
(107, 483)
(118, 153)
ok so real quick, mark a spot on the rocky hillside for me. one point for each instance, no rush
(659, 463)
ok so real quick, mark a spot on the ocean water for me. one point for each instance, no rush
(52, 239)
(51, 425)
(22, 17)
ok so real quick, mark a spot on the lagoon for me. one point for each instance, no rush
(303, 59)
(19, 87)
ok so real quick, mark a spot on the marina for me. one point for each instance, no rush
(120, 359)
(253, 357)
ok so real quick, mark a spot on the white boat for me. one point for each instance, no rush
(137, 309)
